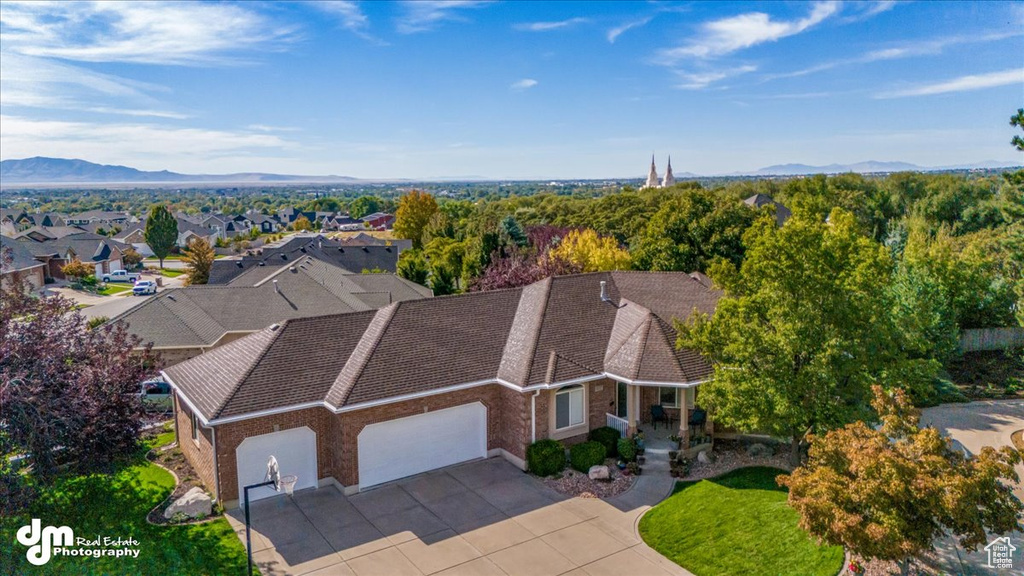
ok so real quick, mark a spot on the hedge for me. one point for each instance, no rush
(627, 449)
(545, 457)
(586, 454)
(609, 438)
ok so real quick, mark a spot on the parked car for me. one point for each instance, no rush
(144, 287)
(121, 276)
(156, 395)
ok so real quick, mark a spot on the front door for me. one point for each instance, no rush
(620, 399)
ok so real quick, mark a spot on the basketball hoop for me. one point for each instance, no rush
(288, 484)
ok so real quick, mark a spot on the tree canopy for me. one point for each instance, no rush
(415, 210)
(161, 232)
(198, 261)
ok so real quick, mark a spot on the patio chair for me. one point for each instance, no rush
(658, 414)
(698, 418)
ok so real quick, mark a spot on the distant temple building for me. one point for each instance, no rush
(652, 176)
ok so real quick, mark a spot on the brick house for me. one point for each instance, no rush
(17, 264)
(359, 399)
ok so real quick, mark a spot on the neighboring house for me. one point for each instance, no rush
(266, 224)
(102, 217)
(343, 221)
(364, 239)
(187, 230)
(187, 322)
(12, 222)
(133, 234)
(378, 221)
(761, 200)
(266, 260)
(359, 399)
(43, 234)
(59, 246)
(21, 266)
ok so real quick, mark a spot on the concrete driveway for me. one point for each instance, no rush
(973, 426)
(481, 518)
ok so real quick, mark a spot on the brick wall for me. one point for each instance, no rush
(199, 452)
(229, 436)
(172, 356)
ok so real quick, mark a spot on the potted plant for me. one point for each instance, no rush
(634, 468)
(638, 440)
(621, 464)
(856, 567)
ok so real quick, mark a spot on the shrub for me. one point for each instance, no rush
(545, 457)
(586, 454)
(609, 438)
(89, 280)
(627, 449)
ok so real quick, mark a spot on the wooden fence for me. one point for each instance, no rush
(991, 339)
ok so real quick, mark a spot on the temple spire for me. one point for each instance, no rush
(652, 176)
(669, 178)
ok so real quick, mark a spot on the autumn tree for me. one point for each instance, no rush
(76, 269)
(131, 258)
(414, 212)
(70, 395)
(161, 232)
(198, 261)
(804, 329)
(585, 250)
(888, 493)
(302, 224)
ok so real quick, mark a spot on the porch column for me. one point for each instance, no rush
(631, 409)
(684, 420)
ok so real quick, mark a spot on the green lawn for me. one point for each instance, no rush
(116, 505)
(172, 273)
(165, 437)
(113, 289)
(738, 523)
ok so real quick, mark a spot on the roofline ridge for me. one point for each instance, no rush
(248, 371)
(390, 310)
(648, 314)
(672, 347)
(535, 337)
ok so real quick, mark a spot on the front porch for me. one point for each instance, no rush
(656, 412)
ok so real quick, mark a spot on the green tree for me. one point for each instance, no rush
(1018, 121)
(161, 232)
(364, 205)
(888, 493)
(804, 329)
(413, 267)
(511, 232)
(302, 224)
(131, 258)
(415, 210)
(198, 261)
(690, 230)
(589, 252)
(442, 281)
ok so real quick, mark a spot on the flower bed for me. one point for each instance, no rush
(579, 484)
(732, 456)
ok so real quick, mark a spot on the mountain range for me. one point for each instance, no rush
(41, 170)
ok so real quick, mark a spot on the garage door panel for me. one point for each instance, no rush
(295, 451)
(407, 446)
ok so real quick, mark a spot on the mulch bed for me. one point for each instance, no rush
(730, 456)
(171, 458)
(884, 568)
(579, 484)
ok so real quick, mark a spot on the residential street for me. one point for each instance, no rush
(975, 425)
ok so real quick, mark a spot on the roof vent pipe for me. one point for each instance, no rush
(276, 289)
(604, 292)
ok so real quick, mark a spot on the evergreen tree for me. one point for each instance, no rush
(161, 232)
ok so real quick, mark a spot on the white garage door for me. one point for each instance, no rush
(407, 446)
(99, 271)
(115, 265)
(295, 450)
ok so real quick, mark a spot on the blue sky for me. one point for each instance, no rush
(509, 89)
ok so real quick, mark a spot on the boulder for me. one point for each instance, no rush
(757, 450)
(599, 473)
(705, 457)
(194, 503)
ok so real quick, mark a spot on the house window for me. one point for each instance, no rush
(195, 427)
(568, 407)
(668, 397)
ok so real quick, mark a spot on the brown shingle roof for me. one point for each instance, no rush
(552, 331)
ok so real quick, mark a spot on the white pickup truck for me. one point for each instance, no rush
(121, 276)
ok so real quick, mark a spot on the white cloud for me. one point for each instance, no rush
(962, 84)
(524, 84)
(140, 113)
(700, 80)
(614, 33)
(424, 15)
(548, 26)
(865, 10)
(350, 17)
(133, 144)
(728, 35)
(184, 33)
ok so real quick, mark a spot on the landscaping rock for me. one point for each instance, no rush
(705, 457)
(599, 472)
(194, 503)
(757, 450)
